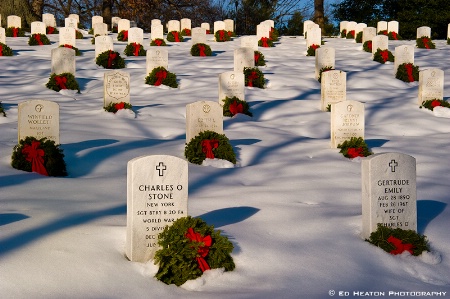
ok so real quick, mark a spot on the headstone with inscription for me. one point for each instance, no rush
(392, 26)
(123, 25)
(389, 195)
(314, 37)
(157, 194)
(382, 26)
(347, 121)
(49, 20)
(96, 20)
(203, 116)
(403, 54)
(155, 22)
(103, 43)
(231, 84)
(71, 22)
(38, 28)
(351, 26)
(423, 31)
(359, 28)
(157, 57)
(157, 32)
(136, 35)
(206, 26)
(38, 119)
(185, 24)
(243, 57)
(263, 30)
(325, 58)
(343, 26)
(14, 21)
(2, 35)
(368, 34)
(100, 29)
(431, 85)
(307, 25)
(74, 16)
(198, 35)
(380, 42)
(63, 61)
(229, 25)
(67, 36)
(116, 87)
(249, 41)
(219, 25)
(333, 88)
(173, 25)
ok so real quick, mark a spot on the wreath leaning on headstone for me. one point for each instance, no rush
(351, 34)
(344, 33)
(175, 36)
(114, 107)
(38, 39)
(274, 34)
(359, 37)
(259, 59)
(382, 56)
(110, 60)
(2, 110)
(354, 147)
(159, 42)
(41, 156)
(407, 72)
(51, 30)
(186, 32)
(265, 42)
(312, 50)
(222, 36)
(201, 49)
(430, 104)
(253, 77)
(425, 42)
(14, 32)
(62, 81)
(122, 36)
(159, 75)
(396, 241)
(324, 69)
(209, 144)
(233, 106)
(189, 247)
(367, 46)
(77, 51)
(394, 36)
(134, 49)
(5, 50)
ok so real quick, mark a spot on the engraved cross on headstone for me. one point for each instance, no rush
(393, 164)
(161, 167)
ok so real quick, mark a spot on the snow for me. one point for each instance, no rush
(291, 205)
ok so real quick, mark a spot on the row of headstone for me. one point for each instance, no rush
(348, 26)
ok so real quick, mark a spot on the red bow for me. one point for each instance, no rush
(369, 45)
(352, 33)
(61, 82)
(137, 47)
(399, 246)
(175, 36)
(409, 71)
(111, 58)
(160, 76)
(119, 106)
(202, 250)
(37, 37)
(355, 152)
(264, 42)
(385, 55)
(208, 146)
(425, 42)
(15, 31)
(251, 77)
(208, 31)
(314, 46)
(68, 46)
(201, 48)
(236, 108)
(35, 155)
(394, 35)
(435, 103)
(221, 35)
(1, 50)
(158, 42)
(125, 35)
(187, 32)
(50, 30)
(256, 58)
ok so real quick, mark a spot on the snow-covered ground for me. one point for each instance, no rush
(291, 206)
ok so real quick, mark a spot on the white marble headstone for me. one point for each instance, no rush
(249, 41)
(263, 30)
(38, 28)
(198, 35)
(206, 26)
(103, 43)
(382, 26)
(97, 20)
(403, 54)
(203, 116)
(75, 16)
(231, 84)
(243, 57)
(14, 21)
(157, 57)
(380, 42)
(229, 25)
(314, 37)
(2, 35)
(136, 35)
(155, 22)
(219, 25)
(325, 57)
(333, 88)
(71, 22)
(100, 29)
(173, 25)
(38, 119)
(185, 24)
(49, 20)
(392, 26)
(347, 121)
(123, 25)
(63, 61)
(431, 85)
(157, 32)
(359, 28)
(343, 26)
(423, 31)
(116, 87)
(369, 33)
(115, 22)
(67, 36)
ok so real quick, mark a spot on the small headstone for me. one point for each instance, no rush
(351, 26)
(347, 121)
(116, 87)
(231, 84)
(448, 31)
(97, 20)
(229, 25)
(431, 85)
(103, 43)
(14, 21)
(403, 54)
(198, 35)
(325, 57)
(156, 22)
(270, 23)
(206, 26)
(49, 20)
(249, 41)
(262, 30)
(2, 35)
(123, 25)
(382, 26)
(173, 25)
(307, 25)
(115, 22)
(100, 29)
(63, 61)
(314, 37)
(67, 36)
(38, 119)
(203, 116)
(185, 24)
(75, 16)
(423, 31)
(219, 25)
(333, 88)
(157, 194)
(157, 57)
(359, 28)
(71, 22)
(392, 26)
(243, 57)
(135, 35)
(380, 42)
(369, 33)
(389, 195)
(343, 26)
(157, 32)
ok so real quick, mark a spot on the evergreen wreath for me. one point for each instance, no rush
(231, 33)
(14, 32)
(175, 36)
(93, 39)
(354, 147)
(78, 34)
(201, 49)
(394, 36)
(77, 51)
(110, 60)
(367, 46)
(430, 104)
(189, 247)
(351, 34)
(222, 36)
(344, 33)
(274, 34)
(186, 32)
(407, 72)
(91, 31)
(5, 50)
(209, 144)
(312, 50)
(159, 75)
(397, 240)
(62, 81)
(382, 56)
(38, 40)
(114, 107)
(233, 106)
(265, 42)
(158, 42)
(259, 59)
(254, 77)
(448, 41)
(324, 69)
(50, 155)
(123, 36)
(359, 37)
(133, 49)
(114, 29)
(51, 30)
(2, 111)
(425, 43)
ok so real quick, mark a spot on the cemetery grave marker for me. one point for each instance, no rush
(424, 31)
(229, 25)
(14, 21)
(206, 26)
(100, 29)
(198, 35)
(116, 87)
(156, 22)
(157, 32)
(325, 57)
(203, 116)
(249, 41)
(123, 25)
(380, 42)
(67, 36)
(243, 57)
(347, 121)
(185, 24)
(135, 35)
(71, 23)
(392, 26)
(333, 88)
(38, 119)
(369, 33)
(97, 20)
(63, 60)
(49, 20)
(403, 54)
(231, 84)
(38, 28)
(103, 43)
(382, 26)
(173, 25)
(219, 25)
(157, 57)
(431, 85)
(2, 35)
(314, 37)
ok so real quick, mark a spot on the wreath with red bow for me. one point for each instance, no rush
(161, 76)
(62, 81)
(324, 69)
(201, 49)
(175, 36)
(396, 241)
(159, 42)
(233, 106)
(222, 36)
(354, 147)
(367, 46)
(122, 36)
(382, 56)
(189, 247)
(265, 42)
(394, 36)
(51, 30)
(351, 34)
(77, 51)
(114, 107)
(134, 49)
(38, 40)
(312, 50)
(186, 32)
(358, 38)
(259, 59)
(425, 43)
(14, 32)
(343, 33)
(5, 50)
(39, 155)
(430, 104)
(110, 60)
(254, 77)
(407, 72)
(209, 144)
(274, 34)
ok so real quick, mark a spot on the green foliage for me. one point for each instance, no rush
(78, 34)
(114, 107)
(394, 36)
(195, 49)
(274, 34)
(2, 111)
(177, 256)
(93, 39)
(104, 60)
(359, 37)
(186, 32)
(91, 31)
(380, 238)
(268, 42)
(122, 36)
(407, 72)
(368, 46)
(170, 80)
(171, 36)
(430, 104)
(158, 42)
(114, 29)
(53, 157)
(324, 69)
(425, 42)
(354, 147)
(222, 36)
(130, 50)
(51, 30)
(382, 56)
(351, 34)
(344, 33)
(6, 51)
(77, 51)
(70, 84)
(9, 32)
(259, 59)
(254, 77)
(294, 24)
(448, 41)
(194, 150)
(233, 102)
(312, 50)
